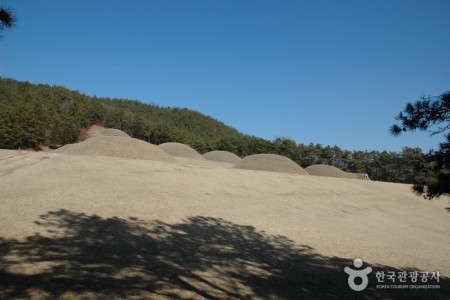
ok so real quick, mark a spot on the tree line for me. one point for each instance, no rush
(32, 115)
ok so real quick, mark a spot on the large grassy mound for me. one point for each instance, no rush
(222, 156)
(180, 150)
(117, 146)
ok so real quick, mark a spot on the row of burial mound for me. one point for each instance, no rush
(332, 171)
(180, 150)
(222, 156)
(260, 162)
(117, 146)
(113, 142)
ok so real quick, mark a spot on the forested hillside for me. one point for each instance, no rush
(33, 115)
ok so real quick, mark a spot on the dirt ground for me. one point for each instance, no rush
(76, 227)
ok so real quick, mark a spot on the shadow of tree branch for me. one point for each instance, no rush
(88, 256)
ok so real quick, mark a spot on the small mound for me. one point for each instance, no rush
(222, 156)
(97, 130)
(180, 150)
(112, 132)
(117, 146)
(270, 162)
(325, 170)
(332, 171)
(359, 176)
(63, 148)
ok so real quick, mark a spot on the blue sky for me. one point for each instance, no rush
(326, 71)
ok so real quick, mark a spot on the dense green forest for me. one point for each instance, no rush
(32, 115)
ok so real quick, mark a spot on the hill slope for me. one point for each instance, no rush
(57, 115)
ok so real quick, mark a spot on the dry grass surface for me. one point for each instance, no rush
(11, 160)
(271, 163)
(222, 156)
(96, 130)
(180, 150)
(75, 226)
(332, 171)
(116, 146)
(112, 132)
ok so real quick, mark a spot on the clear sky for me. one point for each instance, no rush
(326, 71)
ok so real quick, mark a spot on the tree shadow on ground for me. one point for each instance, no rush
(202, 257)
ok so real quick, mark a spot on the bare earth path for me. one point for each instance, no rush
(114, 228)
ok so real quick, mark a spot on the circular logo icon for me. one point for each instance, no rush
(353, 274)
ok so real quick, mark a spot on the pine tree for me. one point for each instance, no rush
(433, 114)
(7, 18)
